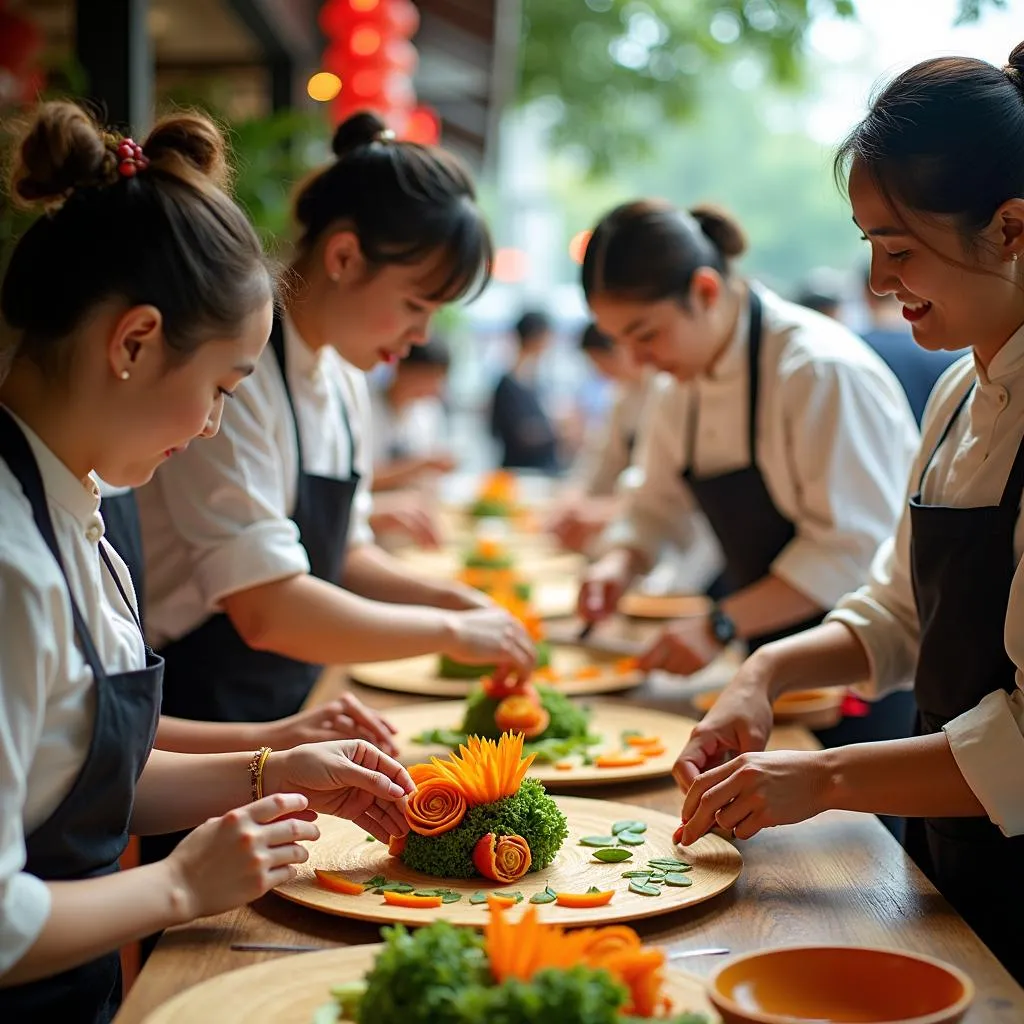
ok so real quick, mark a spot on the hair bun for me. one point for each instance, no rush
(63, 148)
(726, 235)
(193, 138)
(358, 130)
(1015, 66)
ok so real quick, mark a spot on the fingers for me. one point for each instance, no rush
(370, 769)
(706, 797)
(594, 600)
(288, 831)
(698, 754)
(270, 808)
(656, 653)
(375, 728)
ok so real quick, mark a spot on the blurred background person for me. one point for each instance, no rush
(525, 433)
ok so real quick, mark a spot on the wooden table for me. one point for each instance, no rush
(839, 878)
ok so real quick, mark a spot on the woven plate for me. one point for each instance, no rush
(343, 847)
(609, 720)
(419, 675)
(531, 564)
(290, 989)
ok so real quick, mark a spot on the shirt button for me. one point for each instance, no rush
(93, 534)
(1003, 397)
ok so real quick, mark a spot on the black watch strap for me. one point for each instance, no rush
(723, 628)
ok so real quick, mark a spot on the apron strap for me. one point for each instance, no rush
(277, 344)
(753, 378)
(17, 453)
(1015, 481)
(944, 435)
(117, 583)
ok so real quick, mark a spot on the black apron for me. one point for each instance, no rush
(752, 532)
(212, 674)
(123, 531)
(88, 832)
(962, 565)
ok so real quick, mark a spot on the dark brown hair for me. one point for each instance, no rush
(945, 137)
(405, 202)
(649, 250)
(167, 237)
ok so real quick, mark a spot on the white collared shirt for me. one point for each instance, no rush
(216, 517)
(47, 698)
(416, 431)
(606, 451)
(835, 438)
(968, 471)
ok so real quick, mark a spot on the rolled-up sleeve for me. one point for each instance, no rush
(851, 445)
(25, 667)
(227, 498)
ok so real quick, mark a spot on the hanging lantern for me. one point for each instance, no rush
(423, 126)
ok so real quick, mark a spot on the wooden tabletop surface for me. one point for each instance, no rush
(839, 878)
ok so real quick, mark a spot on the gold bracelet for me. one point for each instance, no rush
(265, 752)
(259, 759)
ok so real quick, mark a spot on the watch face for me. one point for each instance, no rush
(723, 627)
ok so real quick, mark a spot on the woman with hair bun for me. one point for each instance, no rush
(260, 562)
(160, 309)
(935, 174)
(771, 422)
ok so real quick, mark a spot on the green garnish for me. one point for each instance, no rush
(613, 856)
(644, 888)
(478, 897)
(631, 839)
(673, 878)
(628, 826)
(547, 896)
(597, 841)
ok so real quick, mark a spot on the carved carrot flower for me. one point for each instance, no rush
(502, 859)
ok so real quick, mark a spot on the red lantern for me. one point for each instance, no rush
(338, 17)
(404, 17)
(20, 41)
(423, 126)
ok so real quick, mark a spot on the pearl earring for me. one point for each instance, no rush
(1014, 256)
(125, 375)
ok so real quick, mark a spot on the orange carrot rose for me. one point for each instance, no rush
(436, 807)
(502, 858)
(519, 713)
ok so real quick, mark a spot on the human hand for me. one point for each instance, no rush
(740, 721)
(461, 597)
(603, 585)
(755, 791)
(492, 636)
(576, 527)
(412, 521)
(234, 859)
(347, 778)
(346, 718)
(684, 647)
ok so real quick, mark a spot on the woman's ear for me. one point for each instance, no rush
(705, 289)
(343, 258)
(136, 342)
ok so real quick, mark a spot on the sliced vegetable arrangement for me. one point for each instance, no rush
(517, 973)
(479, 815)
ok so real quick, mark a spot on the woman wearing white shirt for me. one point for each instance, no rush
(780, 425)
(162, 308)
(936, 181)
(249, 537)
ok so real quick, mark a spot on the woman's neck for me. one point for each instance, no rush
(51, 413)
(303, 304)
(985, 352)
(731, 306)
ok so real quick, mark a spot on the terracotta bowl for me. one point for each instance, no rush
(839, 985)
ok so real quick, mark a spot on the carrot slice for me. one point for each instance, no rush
(410, 901)
(495, 899)
(627, 665)
(337, 882)
(564, 766)
(584, 900)
(643, 741)
(589, 672)
(619, 760)
(652, 751)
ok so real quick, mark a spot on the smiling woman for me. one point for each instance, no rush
(936, 181)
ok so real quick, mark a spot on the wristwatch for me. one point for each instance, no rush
(723, 628)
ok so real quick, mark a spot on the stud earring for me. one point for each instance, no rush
(125, 375)
(1014, 256)
(335, 278)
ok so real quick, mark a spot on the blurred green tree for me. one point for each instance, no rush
(612, 68)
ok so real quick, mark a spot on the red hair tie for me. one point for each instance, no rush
(130, 159)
